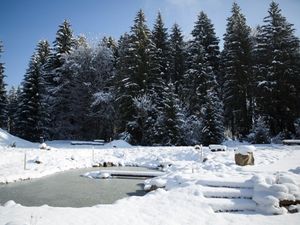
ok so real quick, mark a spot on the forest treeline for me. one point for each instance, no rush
(154, 87)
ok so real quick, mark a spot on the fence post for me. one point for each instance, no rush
(201, 152)
(93, 155)
(25, 160)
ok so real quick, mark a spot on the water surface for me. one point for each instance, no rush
(69, 189)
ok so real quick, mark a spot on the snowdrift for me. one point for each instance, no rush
(7, 140)
(118, 144)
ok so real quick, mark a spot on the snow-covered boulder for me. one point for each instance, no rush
(244, 155)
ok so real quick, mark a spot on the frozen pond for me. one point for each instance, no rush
(69, 189)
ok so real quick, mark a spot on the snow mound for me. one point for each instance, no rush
(118, 144)
(269, 191)
(245, 149)
(7, 139)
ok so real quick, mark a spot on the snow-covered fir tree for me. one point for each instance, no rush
(202, 64)
(238, 79)
(124, 100)
(277, 72)
(158, 77)
(12, 109)
(177, 59)
(160, 53)
(212, 130)
(134, 75)
(260, 133)
(171, 118)
(3, 97)
(58, 81)
(32, 116)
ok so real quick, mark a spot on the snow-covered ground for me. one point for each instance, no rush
(192, 192)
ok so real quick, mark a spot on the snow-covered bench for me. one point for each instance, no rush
(217, 148)
(86, 143)
(291, 142)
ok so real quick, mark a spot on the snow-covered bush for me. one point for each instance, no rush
(278, 138)
(297, 127)
(260, 133)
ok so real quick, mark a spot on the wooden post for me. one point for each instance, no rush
(93, 155)
(201, 152)
(25, 161)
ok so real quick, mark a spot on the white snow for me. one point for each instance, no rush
(218, 147)
(191, 191)
(245, 149)
(118, 144)
(8, 140)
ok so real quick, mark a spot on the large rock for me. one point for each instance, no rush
(244, 159)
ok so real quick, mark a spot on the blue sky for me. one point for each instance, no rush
(24, 22)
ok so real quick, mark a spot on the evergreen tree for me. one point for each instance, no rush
(12, 109)
(172, 117)
(177, 59)
(133, 75)
(33, 117)
(236, 58)
(124, 101)
(159, 76)
(260, 133)
(277, 73)
(160, 53)
(59, 82)
(212, 122)
(3, 97)
(202, 64)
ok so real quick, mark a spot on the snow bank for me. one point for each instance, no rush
(118, 144)
(186, 186)
(270, 190)
(8, 140)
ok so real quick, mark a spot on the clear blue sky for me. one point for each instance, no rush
(24, 22)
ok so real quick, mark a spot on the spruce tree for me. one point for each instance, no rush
(3, 97)
(260, 132)
(177, 59)
(159, 76)
(236, 61)
(32, 116)
(202, 64)
(12, 109)
(212, 131)
(133, 74)
(277, 72)
(59, 82)
(172, 117)
(124, 101)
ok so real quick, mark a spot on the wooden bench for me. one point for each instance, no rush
(217, 148)
(291, 142)
(86, 143)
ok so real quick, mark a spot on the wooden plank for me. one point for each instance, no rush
(226, 184)
(291, 142)
(119, 173)
(231, 205)
(221, 192)
(86, 143)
